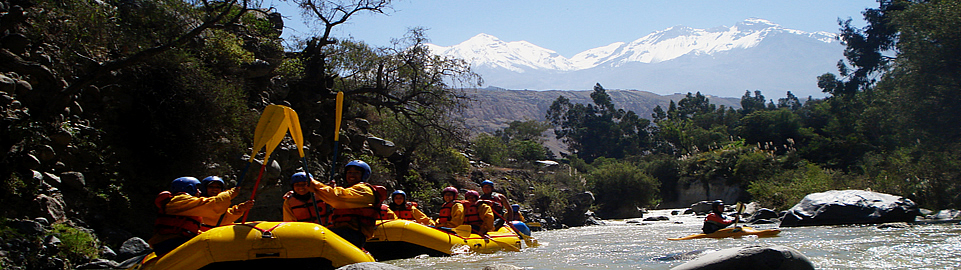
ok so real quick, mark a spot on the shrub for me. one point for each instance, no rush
(76, 244)
(617, 183)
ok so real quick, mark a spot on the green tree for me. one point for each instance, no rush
(489, 149)
(751, 104)
(599, 129)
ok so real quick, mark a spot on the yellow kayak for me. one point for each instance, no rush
(398, 239)
(261, 245)
(732, 232)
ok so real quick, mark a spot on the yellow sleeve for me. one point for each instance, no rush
(187, 205)
(420, 217)
(232, 215)
(389, 215)
(356, 196)
(456, 215)
(487, 216)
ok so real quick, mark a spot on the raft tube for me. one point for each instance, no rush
(731, 232)
(400, 239)
(261, 245)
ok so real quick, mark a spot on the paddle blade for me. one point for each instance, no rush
(295, 131)
(463, 231)
(263, 132)
(279, 125)
(339, 115)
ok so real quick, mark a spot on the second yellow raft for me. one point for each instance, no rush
(399, 239)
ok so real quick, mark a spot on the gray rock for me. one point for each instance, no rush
(501, 267)
(73, 180)
(657, 218)
(28, 227)
(946, 214)
(16, 43)
(46, 153)
(675, 212)
(52, 263)
(689, 211)
(51, 179)
(132, 247)
(257, 68)
(838, 207)
(751, 257)
(575, 214)
(381, 147)
(370, 266)
(107, 253)
(702, 207)
(31, 162)
(42, 220)
(52, 244)
(51, 206)
(99, 264)
(763, 213)
(8, 85)
(765, 221)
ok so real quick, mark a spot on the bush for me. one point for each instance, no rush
(787, 188)
(76, 244)
(617, 183)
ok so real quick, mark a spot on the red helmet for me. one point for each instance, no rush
(471, 193)
(449, 189)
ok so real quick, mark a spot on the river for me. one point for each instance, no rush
(626, 244)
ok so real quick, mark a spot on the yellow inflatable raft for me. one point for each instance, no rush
(261, 245)
(399, 239)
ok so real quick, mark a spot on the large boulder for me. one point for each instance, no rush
(751, 257)
(838, 207)
(575, 212)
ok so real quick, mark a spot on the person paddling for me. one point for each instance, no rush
(356, 206)
(451, 214)
(213, 186)
(716, 219)
(297, 202)
(181, 212)
(404, 209)
(478, 213)
(500, 205)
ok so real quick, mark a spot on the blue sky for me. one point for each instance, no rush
(570, 27)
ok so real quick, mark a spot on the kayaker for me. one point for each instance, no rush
(716, 219)
(500, 203)
(478, 213)
(451, 214)
(297, 205)
(212, 186)
(181, 212)
(407, 210)
(356, 207)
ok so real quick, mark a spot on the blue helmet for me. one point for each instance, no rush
(362, 165)
(207, 181)
(300, 177)
(185, 184)
(487, 182)
(515, 207)
(401, 192)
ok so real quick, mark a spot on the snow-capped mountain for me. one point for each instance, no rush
(754, 54)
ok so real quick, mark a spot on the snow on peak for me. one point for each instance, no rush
(664, 45)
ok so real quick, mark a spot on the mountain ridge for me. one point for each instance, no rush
(754, 54)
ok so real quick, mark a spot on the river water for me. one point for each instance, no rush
(626, 244)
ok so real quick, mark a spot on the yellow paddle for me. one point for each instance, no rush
(740, 209)
(279, 124)
(262, 135)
